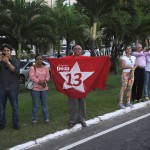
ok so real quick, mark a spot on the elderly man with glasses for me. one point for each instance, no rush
(77, 107)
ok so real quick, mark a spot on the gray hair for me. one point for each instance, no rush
(138, 45)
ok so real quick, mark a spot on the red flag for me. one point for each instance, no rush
(76, 77)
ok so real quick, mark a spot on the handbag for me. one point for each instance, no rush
(29, 83)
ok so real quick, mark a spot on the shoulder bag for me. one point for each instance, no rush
(29, 83)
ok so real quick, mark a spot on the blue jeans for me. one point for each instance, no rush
(39, 97)
(147, 83)
(13, 98)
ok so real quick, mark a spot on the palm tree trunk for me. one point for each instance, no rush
(137, 40)
(93, 30)
(116, 68)
(19, 49)
(92, 47)
(93, 34)
(67, 48)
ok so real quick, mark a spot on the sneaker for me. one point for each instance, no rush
(121, 105)
(146, 98)
(2, 126)
(46, 121)
(34, 123)
(137, 101)
(16, 127)
(71, 124)
(141, 100)
(83, 124)
(130, 105)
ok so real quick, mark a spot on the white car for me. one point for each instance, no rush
(25, 66)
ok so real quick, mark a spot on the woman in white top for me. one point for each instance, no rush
(127, 78)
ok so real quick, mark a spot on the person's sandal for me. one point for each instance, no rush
(71, 124)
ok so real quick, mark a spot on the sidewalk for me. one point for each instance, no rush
(95, 120)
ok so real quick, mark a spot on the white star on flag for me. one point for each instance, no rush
(74, 78)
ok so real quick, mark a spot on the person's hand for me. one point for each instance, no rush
(145, 48)
(42, 83)
(5, 59)
(132, 69)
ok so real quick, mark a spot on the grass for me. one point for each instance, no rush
(98, 103)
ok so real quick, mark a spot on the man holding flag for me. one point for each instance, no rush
(75, 76)
(77, 112)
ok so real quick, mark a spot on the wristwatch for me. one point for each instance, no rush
(8, 63)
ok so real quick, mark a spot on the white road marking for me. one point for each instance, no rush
(104, 132)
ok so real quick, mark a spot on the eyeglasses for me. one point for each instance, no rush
(77, 49)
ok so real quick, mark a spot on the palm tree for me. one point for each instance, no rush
(142, 32)
(97, 10)
(112, 15)
(68, 23)
(22, 21)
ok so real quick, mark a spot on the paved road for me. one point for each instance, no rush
(134, 136)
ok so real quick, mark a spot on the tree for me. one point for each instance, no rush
(97, 10)
(69, 23)
(142, 32)
(22, 21)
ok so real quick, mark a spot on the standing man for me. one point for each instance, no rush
(9, 85)
(77, 107)
(137, 88)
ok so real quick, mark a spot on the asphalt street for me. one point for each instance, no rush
(120, 133)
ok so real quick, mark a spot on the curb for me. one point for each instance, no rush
(77, 127)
